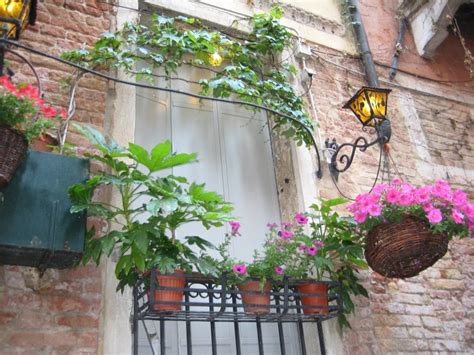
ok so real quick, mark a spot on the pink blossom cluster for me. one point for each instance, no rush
(439, 202)
(30, 93)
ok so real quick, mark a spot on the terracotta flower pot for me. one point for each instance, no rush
(176, 281)
(260, 299)
(317, 298)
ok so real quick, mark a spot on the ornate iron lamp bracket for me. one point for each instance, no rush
(384, 133)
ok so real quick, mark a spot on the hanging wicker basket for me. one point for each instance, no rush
(404, 249)
(13, 147)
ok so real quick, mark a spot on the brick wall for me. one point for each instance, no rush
(58, 313)
(432, 138)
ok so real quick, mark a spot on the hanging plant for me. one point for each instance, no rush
(24, 116)
(408, 228)
(250, 69)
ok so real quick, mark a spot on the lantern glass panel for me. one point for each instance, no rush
(14, 16)
(369, 105)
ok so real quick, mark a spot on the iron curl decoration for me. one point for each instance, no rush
(361, 143)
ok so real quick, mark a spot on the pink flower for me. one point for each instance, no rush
(271, 225)
(301, 219)
(360, 216)
(318, 243)
(392, 196)
(285, 234)
(286, 225)
(396, 181)
(235, 227)
(279, 270)
(406, 200)
(379, 188)
(459, 198)
(422, 195)
(435, 216)
(469, 210)
(375, 210)
(457, 216)
(301, 249)
(239, 269)
(312, 250)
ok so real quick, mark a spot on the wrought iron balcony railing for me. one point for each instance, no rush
(213, 301)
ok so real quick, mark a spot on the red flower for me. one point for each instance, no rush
(48, 111)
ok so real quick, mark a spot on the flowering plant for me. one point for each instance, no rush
(319, 245)
(445, 210)
(261, 268)
(22, 108)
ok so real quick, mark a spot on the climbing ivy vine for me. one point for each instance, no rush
(251, 70)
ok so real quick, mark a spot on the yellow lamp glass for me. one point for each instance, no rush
(369, 105)
(215, 59)
(14, 16)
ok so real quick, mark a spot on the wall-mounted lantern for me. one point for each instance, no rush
(369, 105)
(15, 15)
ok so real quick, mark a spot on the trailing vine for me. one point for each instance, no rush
(248, 69)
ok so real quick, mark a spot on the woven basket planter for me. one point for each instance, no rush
(13, 147)
(405, 248)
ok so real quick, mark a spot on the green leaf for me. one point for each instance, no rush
(138, 258)
(139, 154)
(200, 242)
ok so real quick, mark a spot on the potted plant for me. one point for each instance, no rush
(148, 213)
(316, 247)
(408, 228)
(253, 279)
(24, 116)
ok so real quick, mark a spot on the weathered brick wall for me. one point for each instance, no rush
(58, 313)
(431, 139)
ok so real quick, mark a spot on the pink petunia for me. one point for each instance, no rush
(235, 228)
(285, 234)
(360, 216)
(311, 250)
(279, 270)
(375, 210)
(318, 243)
(405, 200)
(301, 219)
(457, 217)
(271, 225)
(469, 210)
(301, 249)
(392, 196)
(239, 269)
(396, 181)
(286, 225)
(435, 216)
(459, 198)
(379, 188)
(422, 195)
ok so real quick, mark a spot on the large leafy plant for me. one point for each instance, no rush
(319, 245)
(22, 108)
(250, 69)
(149, 209)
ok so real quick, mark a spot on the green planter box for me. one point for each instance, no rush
(36, 227)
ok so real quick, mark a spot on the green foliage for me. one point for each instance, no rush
(320, 244)
(149, 211)
(251, 72)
